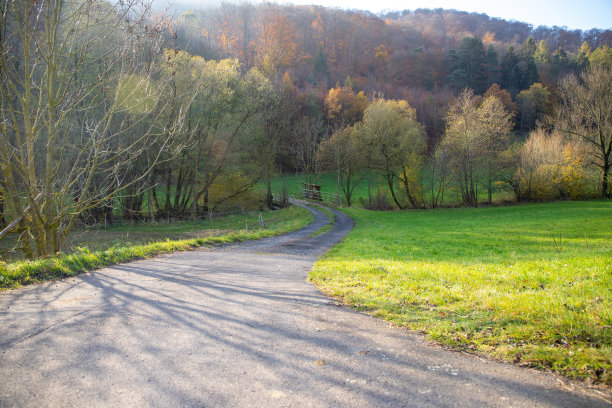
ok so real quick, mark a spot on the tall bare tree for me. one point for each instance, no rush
(475, 135)
(77, 80)
(343, 152)
(585, 114)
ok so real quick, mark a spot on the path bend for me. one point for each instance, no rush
(238, 326)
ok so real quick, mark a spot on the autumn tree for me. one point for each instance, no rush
(223, 104)
(474, 136)
(581, 59)
(549, 166)
(398, 145)
(238, 31)
(533, 104)
(503, 96)
(343, 153)
(277, 46)
(275, 120)
(494, 124)
(585, 114)
(542, 53)
(344, 107)
(601, 57)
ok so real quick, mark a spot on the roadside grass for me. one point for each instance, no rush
(143, 241)
(99, 238)
(528, 284)
(327, 227)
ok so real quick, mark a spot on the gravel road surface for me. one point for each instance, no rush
(238, 326)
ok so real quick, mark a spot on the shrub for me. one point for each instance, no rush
(380, 202)
(233, 192)
(551, 167)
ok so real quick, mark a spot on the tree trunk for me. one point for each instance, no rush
(604, 181)
(370, 187)
(2, 220)
(150, 205)
(269, 197)
(407, 189)
(490, 184)
(390, 181)
(24, 239)
(346, 189)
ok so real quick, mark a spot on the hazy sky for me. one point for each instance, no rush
(584, 14)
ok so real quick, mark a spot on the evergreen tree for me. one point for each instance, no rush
(529, 71)
(510, 75)
(348, 82)
(560, 62)
(491, 66)
(468, 66)
(320, 64)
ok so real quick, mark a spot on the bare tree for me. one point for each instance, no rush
(585, 114)
(308, 133)
(476, 133)
(343, 152)
(78, 79)
(275, 118)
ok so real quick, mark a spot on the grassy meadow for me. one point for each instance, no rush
(530, 284)
(97, 247)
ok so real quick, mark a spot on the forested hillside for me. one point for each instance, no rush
(423, 56)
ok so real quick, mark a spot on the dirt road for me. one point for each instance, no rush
(236, 326)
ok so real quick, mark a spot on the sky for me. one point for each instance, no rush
(583, 14)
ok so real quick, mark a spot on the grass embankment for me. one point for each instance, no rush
(142, 241)
(528, 284)
(330, 225)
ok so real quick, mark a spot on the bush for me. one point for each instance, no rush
(550, 168)
(380, 202)
(232, 192)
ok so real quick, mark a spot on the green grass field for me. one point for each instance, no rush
(98, 247)
(530, 284)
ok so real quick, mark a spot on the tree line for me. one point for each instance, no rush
(568, 156)
(100, 116)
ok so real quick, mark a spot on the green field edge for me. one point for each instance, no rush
(452, 342)
(332, 220)
(21, 273)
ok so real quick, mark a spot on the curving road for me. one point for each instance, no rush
(238, 325)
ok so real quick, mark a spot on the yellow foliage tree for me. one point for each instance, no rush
(232, 192)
